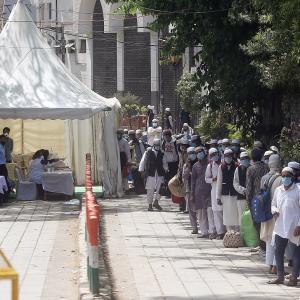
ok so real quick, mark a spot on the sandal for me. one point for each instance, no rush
(276, 281)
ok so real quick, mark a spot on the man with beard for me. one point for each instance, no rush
(154, 167)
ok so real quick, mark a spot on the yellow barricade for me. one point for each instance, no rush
(8, 272)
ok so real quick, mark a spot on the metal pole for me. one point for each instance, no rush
(160, 94)
(56, 20)
(63, 44)
(22, 136)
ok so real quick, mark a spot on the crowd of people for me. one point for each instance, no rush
(221, 180)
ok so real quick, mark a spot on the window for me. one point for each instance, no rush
(50, 11)
(82, 48)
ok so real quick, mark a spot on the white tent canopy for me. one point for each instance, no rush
(35, 84)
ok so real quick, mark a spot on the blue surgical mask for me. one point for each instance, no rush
(201, 155)
(287, 181)
(228, 160)
(192, 157)
(215, 158)
(245, 162)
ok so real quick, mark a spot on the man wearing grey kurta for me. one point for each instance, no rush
(253, 184)
(200, 195)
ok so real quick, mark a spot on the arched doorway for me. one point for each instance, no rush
(104, 56)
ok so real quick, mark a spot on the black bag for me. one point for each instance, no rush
(138, 182)
(163, 189)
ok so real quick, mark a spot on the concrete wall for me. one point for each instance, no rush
(120, 57)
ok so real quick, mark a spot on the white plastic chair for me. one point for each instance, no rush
(26, 190)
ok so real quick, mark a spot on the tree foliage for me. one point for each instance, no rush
(130, 106)
(248, 58)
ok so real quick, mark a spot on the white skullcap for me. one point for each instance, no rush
(212, 151)
(220, 142)
(212, 141)
(268, 153)
(274, 162)
(167, 109)
(185, 125)
(228, 151)
(274, 148)
(190, 149)
(244, 154)
(235, 141)
(243, 149)
(225, 141)
(138, 131)
(294, 165)
(156, 142)
(150, 107)
(154, 121)
(288, 169)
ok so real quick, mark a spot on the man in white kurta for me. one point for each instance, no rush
(226, 194)
(154, 132)
(239, 184)
(286, 209)
(154, 165)
(211, 178)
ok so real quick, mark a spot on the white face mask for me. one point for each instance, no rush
(154, 125)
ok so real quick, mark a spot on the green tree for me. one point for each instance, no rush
(248, 57)
(130, 106)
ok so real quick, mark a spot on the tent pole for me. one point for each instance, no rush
(22, 136)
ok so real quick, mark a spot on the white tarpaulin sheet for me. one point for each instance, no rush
(34, 83)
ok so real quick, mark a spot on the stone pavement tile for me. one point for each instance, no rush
(198, 290)
(177, 265)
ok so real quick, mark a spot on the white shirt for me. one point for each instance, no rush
(124, 147)
(154, 133)
(287, 203)
(143, 161)
(36, 170)
(170, 151)
(210, 173)
(236, 183)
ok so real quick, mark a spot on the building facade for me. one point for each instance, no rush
(110, 52)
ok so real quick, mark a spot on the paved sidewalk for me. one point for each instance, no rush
(40, 239)
(154, 256)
